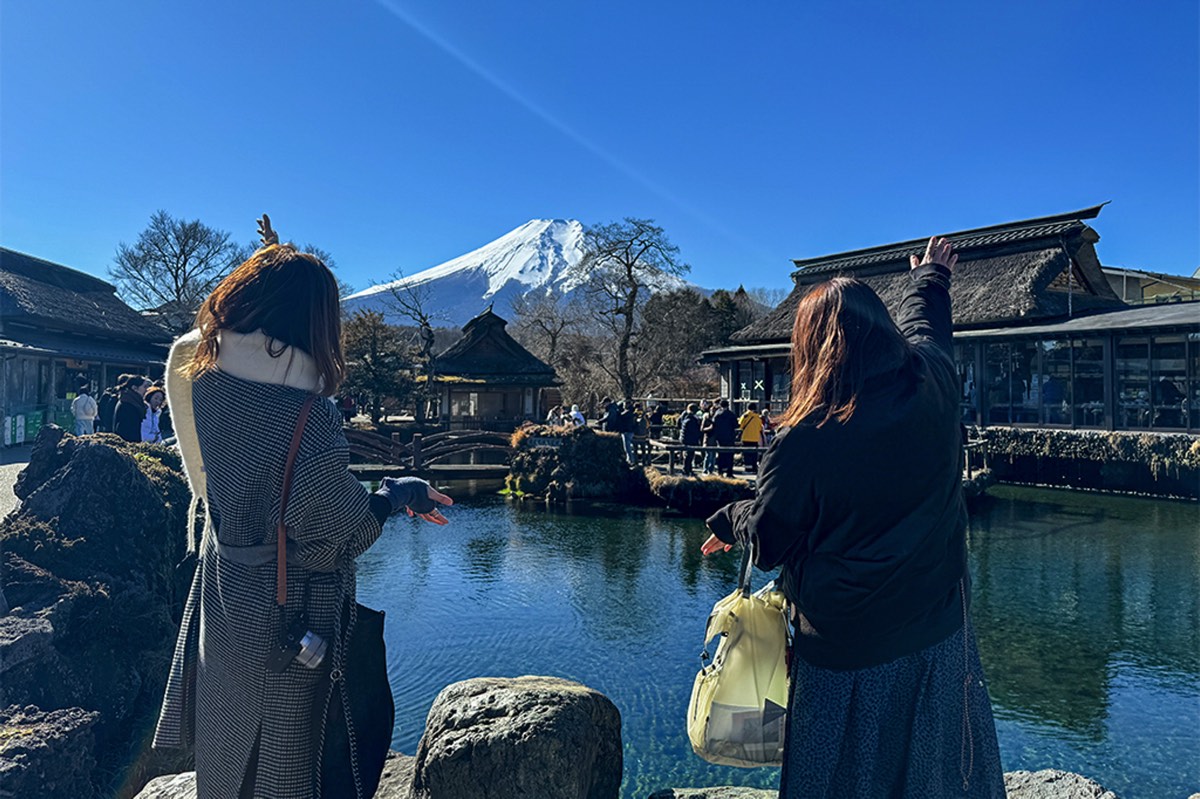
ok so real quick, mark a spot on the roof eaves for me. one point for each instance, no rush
(991, 235)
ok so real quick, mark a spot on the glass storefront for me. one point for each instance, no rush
(1168, 382)
(1064, 382)
(1087, 382)
(1193, 345)
(1055, 382)
(1133, 382)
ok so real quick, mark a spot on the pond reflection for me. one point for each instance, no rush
(1086, 609)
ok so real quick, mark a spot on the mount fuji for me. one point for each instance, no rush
(540, 255)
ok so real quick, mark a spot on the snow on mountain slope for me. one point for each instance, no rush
(539, 255)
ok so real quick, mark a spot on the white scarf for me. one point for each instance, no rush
(241, 355)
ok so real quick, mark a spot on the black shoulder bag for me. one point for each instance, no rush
(353, 710)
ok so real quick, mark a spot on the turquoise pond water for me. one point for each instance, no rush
(1087, 610)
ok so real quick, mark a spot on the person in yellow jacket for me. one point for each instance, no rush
(751, 425)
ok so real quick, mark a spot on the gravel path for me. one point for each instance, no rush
(8, 477)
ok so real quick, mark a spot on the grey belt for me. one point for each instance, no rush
(256, 555)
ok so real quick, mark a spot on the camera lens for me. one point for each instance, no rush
(312, 650)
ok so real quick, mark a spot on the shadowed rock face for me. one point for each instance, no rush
(46, 753)
(528, 736)
(88, 569)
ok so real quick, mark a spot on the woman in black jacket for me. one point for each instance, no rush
(131, 408)
(860, 502)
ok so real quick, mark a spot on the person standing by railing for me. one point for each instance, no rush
(751, 426)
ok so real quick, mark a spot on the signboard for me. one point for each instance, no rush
(33, 423)
(19, 429)
(8, 431)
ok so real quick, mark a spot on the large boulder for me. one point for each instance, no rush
(46, 754)
(88, 569)
(1053, 784)
(494, 738)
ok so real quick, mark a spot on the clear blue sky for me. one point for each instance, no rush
(399, 134)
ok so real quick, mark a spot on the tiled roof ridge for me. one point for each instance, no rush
(1021, 230)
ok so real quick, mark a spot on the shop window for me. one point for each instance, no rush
(1055, 382)
(758, 381)
(781, 386)
(999, 382)
(1133, 382)
(1168, 382)
(1026, 382)
(1087, 382)
(1194, 370)
(968, 393)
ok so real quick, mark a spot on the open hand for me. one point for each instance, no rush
(714, 544)
(938, 251)
(434, 515)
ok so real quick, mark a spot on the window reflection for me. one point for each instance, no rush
(1056, 382)
(964, 362)
(1133, 382)
(1087, 382)
(1168, 375)
(999, 381)
(1194, 394)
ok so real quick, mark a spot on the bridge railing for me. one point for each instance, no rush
(422, 451)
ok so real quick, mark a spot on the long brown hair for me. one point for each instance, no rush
(843, 335)
(287, 294)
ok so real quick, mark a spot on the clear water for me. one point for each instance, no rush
(1087, 610)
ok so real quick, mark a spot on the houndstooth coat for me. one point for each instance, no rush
(220, 696)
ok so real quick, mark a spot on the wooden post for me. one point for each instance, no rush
(416, 450)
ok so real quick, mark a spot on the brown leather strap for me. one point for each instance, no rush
(281, 549)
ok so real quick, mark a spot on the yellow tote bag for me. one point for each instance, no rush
(738, 711)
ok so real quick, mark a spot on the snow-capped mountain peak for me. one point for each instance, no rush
(539, 255)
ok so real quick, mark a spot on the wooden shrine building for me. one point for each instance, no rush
(487, 380)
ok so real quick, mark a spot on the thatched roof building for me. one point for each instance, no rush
(1041, 338)
(59, 328)
(488, 378)
(1018, 272)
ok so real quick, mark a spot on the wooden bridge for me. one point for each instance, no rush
(377, 456)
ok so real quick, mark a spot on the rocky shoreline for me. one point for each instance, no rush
(88, 565)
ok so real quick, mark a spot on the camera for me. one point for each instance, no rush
(300, 644)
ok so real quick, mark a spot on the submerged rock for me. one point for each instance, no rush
(723, 792)
(1053, 784)
(520, 737)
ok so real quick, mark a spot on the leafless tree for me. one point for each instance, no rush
(541, 321)
(767, 298)
(412, 303)
(622, 264)
(173, 266)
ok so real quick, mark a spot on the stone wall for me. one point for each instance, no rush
(1158, 464)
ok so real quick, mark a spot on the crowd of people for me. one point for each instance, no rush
(134, 408)
(707, 425)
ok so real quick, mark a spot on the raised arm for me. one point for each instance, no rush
(924, 313)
